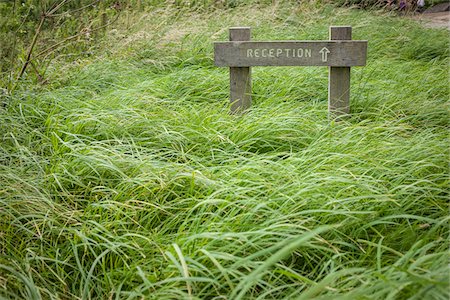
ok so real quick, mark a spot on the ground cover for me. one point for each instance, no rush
(126, 178)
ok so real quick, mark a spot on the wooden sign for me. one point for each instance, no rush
(290, 53)
(339, 53)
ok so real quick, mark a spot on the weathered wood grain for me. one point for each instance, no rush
(240, 77)
(339, 79)
(290, 53)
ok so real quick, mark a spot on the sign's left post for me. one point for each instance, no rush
(240, 77)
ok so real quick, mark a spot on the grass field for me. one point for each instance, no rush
(126, 178)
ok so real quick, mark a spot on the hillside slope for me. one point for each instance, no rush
(126, 178)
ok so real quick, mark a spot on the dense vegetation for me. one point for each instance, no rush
(33, 33)
(124, 177)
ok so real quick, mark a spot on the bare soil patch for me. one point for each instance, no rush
(437, 16)
(435, 20)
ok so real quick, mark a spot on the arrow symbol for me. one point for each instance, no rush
(324, 53)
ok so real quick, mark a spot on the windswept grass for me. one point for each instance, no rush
(126, 178)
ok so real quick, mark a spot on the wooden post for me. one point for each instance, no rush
(339, 79)
(240, 77)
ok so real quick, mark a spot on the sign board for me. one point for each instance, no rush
(290, 53)
(339, 53)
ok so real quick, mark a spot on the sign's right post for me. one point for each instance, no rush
(339, 79)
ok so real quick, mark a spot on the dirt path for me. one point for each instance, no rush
(435, 20)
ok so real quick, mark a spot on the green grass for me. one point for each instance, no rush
(126, 178)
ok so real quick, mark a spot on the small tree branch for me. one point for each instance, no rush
(75, 10)
(30, 51)
(39, 75)
(55, 8)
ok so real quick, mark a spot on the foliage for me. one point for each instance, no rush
(59, 28)
(362, 3)
(125, 177)
(411, 5)
(64, 29)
